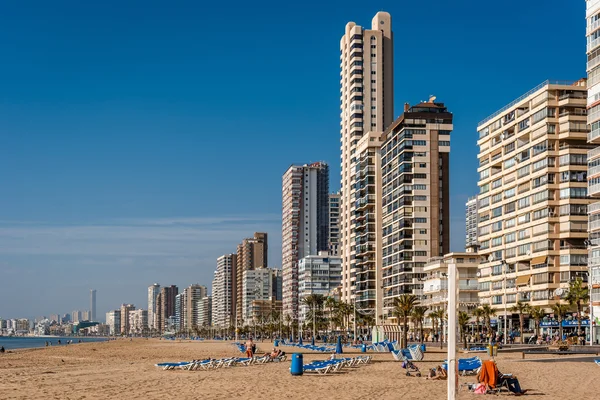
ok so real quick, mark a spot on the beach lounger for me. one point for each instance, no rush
(169, 366)
(320, 369)
(597, 362)
(467, 366)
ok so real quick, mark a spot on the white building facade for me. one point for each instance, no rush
(319, 274)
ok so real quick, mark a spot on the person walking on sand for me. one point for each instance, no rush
(249, 346)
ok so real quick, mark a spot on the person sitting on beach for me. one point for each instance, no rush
(2, 349)
(492, 377)
(437, 373)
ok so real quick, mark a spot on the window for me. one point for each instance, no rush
(573, 193)
(524, 202)
(521, 172)
(509, 238)
(484, 188)
(421, 220)
(523, 219)
(510, 207)
(496, 226)
(497, 241)
(509, 223)
(509, 193)
(419, 187)
(484, 174)
(524, 234)
(497, 183)
(496, 212)
(496, 198)
(444, 143)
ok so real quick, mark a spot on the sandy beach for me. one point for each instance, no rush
(125, 369)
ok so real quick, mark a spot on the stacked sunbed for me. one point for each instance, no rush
(335, 365)
(211, 363)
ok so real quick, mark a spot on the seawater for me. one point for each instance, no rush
(12, 343)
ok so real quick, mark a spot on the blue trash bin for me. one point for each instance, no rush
(276, 343)
(423, 348)
(297, 367)
(363, 348)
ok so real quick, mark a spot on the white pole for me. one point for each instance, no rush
(452, 315)
(354, 317)
(591, 313)
(505, 266)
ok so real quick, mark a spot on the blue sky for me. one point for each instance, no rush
(141, 140)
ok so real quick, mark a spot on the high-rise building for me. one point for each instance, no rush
(415, 164)
(223, 288)
(204, 312)
(180, 312)
(251, 253)
(256, 285)
(193, 294)
(76, 316)
(165, 306)
(533, 197)
(317, 274)
(471, 213)
(367, 104)
(334, 223)
(366, 274)
(125, 309)
(305, 223)
(138, 322)
(277, 284)
(593, 119)
(153, 291)
(86, 315)
(93, 305)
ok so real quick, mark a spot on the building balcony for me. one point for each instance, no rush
(594, 190)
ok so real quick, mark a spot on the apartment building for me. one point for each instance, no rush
(193, 295)
(153, 291)
(334, 223)
(366, 104)
(165, 303)
(180, 312)
(224, 293)
(257, 284)
(435, 285)
(251, 253)
(204, 312)
(533, 196)
(125, 309)
(366, 274)
(593, 120)
(415, 164)
(113, 320)
(471, 217)
(305, 223)
(138, 322)
(318, 274)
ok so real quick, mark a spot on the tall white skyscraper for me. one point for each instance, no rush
(305, 223)
(93, 305)
(471, 213)
(334, 223)
(367, 104)
(153, 291)
(224, 291)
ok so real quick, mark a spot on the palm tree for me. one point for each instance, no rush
(488, 312)
(560, 310)
(537, 313)
(288, 321)
(331, 304)
(521, 309)
(418, 315)
(315, 304)
(434, 321)
(403, 308)
(463, 321)
(578, 293)
(478, 314)
(438, 316)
